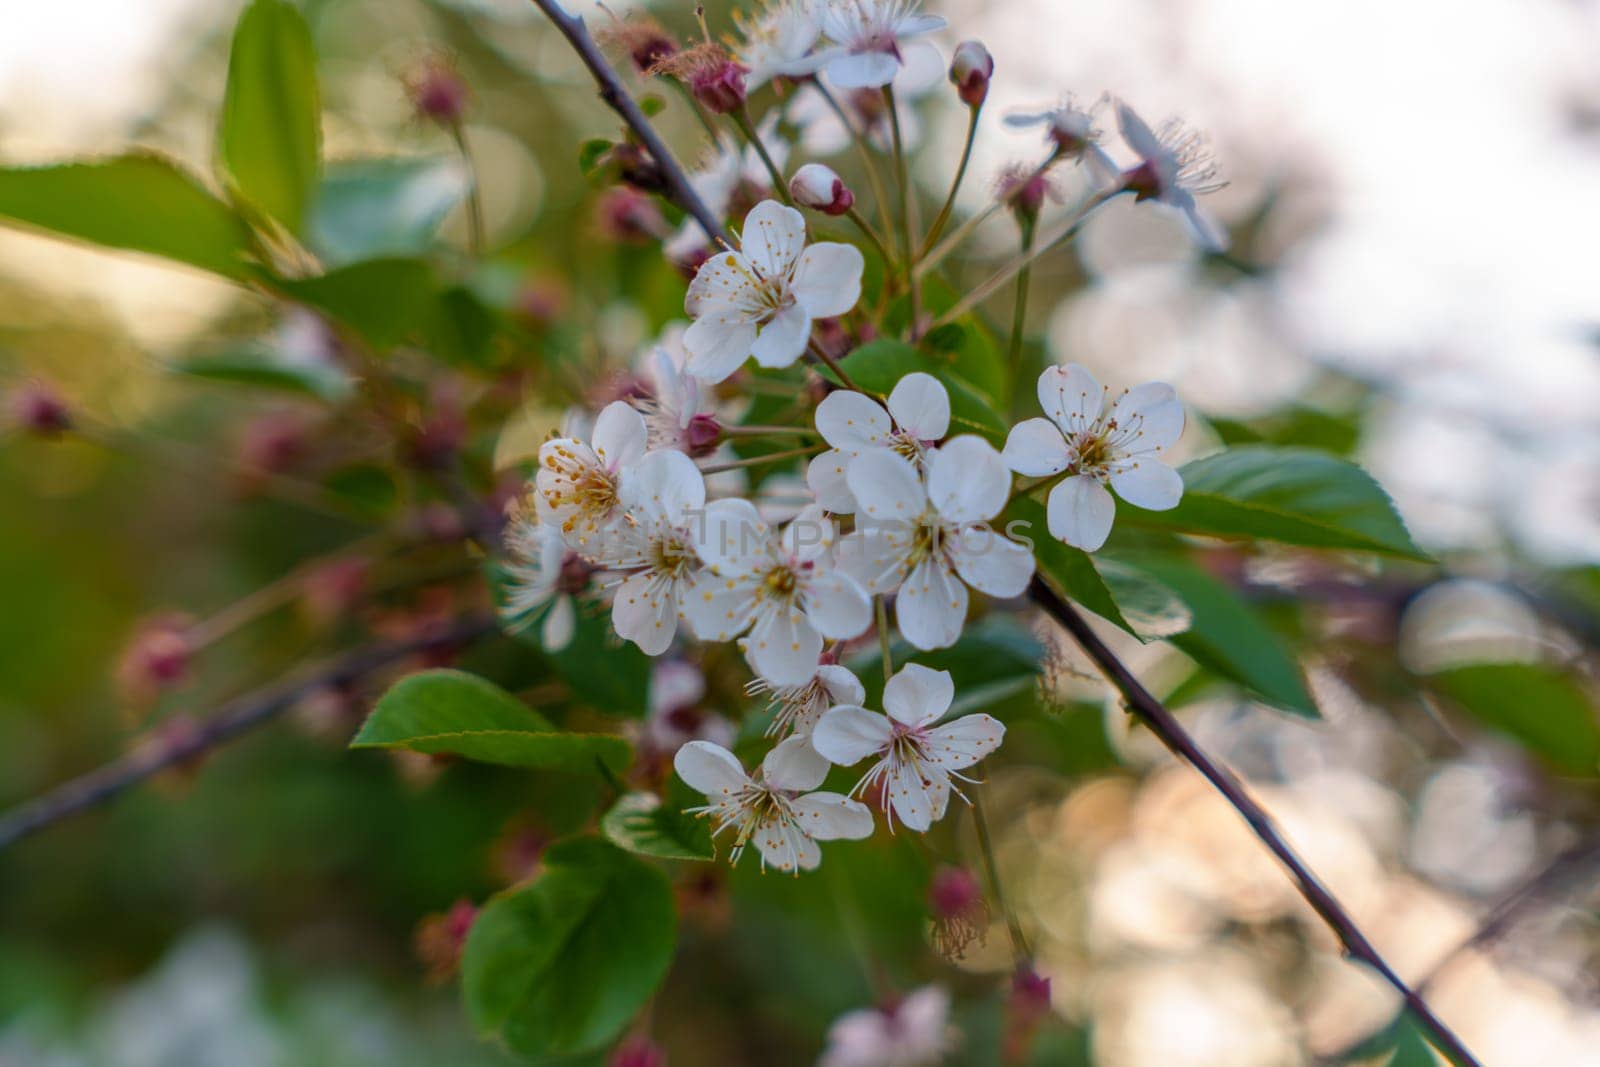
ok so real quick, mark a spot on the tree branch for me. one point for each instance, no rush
(235, 718)
(621, 101)
(1165, 726)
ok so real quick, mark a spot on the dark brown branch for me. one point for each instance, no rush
(232, 720)
(619, 100)
(1171, 732)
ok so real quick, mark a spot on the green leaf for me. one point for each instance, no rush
(269, 143)
(141, 203)
(460, 714)
(261, 367)
(1544, 708)
(1227, 637)
(878, 365)
(592, 154)
(640, 822)
(383, 300)
(373, 208)
(1122, 595)
(606, 673)
(1295, 495)
(563, 965)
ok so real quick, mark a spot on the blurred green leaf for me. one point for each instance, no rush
(141, 203)
(562, 965)
(261, 367)
(1227, 636)
(368, 487)
(591, 155)
(372, 208)
(269, 144)
(455, 713)
(965, 346)
(1329, 432)
(1295, 495)
(878, 365)
(642, 823)
(605, 672)
(383, 300)
(1544, 708)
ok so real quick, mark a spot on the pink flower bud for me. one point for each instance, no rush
(37, 409)
(637, 1051)
(719, 85)
(437, 91)
(970, 70)
(156, 659)
(700, 437)
(440, 939)
(816, 186)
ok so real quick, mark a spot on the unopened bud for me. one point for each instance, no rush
(1024, 190)
(272, 443)
(719, 86)
(970, 70)
(637, 1051)
(628, 216)
(816, 186)
(37, 409)
(437, 91)
(440, 939)
(702, 434)
(156, 659)
(644, 39)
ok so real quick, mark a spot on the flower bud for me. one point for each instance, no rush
(437, 91)
(719, 85)
(1026, 1009)
(970, 70)
(816, 186)
(440, 939)
(156, 659)
(702, 434)
(1024, 190)
(637, 1051)
(37, 409)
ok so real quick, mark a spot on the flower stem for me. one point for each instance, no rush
(756, 461)
(752, 430)
(863, 149)
(1019, 315)
(902, 175)
(475, 228)
(741, 119)
(1020, 952)
(883, 638)
(832, 364)
(955, 185)
(872, 235)
(935, 256)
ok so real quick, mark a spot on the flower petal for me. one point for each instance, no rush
(836, 605)
(1035, 448)
(559, 625)
(826, 478)
(876, 558)
(808, 535)
(909, 795)
(1154, 415)
(719, 609)
(1148, 483)
(963, 742)
(731, 537)
(931, 606)
(967, 480)
(828, 280)
(990, 562)
(852, 421)
(917, 695)
(619, 435)
(862, 70)
(1136, 133)
(848, 734)
(887, 489)
(781, 341)
(841, 684)
(794, 764)
(918, 23)
(1071, 397)
(645, 612)
(784, 847)
(664, 484)
(722, 286)
(783, 646)
(1079, 512)
(773, 237)
(920, 405)
(831, 817)
(710, 769)
(717, 346)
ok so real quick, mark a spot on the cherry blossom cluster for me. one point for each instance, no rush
(639, 507)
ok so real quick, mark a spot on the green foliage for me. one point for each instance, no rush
(258, 366)
(376, 208)
(642, 823)
(269, 142)
(1227, 637)
(605, 672)
(995, 660)
(394, 300)
(562, 965)
(1543, 707)
(444, 712)
(138, 202)
(1295, 495)
(878, 365)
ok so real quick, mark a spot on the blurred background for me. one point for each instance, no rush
(1414, 282)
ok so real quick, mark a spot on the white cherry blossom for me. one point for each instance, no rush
(823, 132)
(853, 423)
(654, 544)
(1120, 444)
(777, 812)
(798, 708)
(913, 1031)
(1175, 166)
(915, 758)
(776, 42)
(577, 488)
(866, 38)
(782, 589)
(538, 568)
(760, 300)
(927, 540)
(1072, 131)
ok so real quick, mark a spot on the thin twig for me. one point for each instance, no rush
(619, 100)
(235, 718)
(1170, 731)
